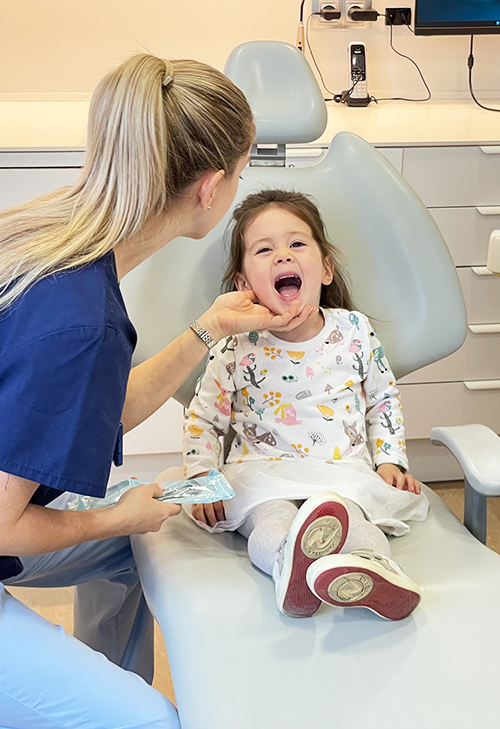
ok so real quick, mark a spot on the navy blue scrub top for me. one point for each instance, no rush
(65, 355)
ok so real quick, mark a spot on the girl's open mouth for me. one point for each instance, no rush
(288, 286)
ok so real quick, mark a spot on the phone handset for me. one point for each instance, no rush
(358, 95)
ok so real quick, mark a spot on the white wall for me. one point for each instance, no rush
(64, 46)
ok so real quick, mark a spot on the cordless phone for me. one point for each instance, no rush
(357, 75)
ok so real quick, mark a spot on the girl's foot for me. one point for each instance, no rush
(320, 528)
(364, 579)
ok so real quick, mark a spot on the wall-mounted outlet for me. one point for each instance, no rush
(330, 14)
(397, 16)
(335, 14)
(356, 5)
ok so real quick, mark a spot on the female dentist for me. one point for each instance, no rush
(166, 144)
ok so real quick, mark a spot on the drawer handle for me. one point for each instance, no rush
(482, 271)
(484, 328)
(491, 149)
(488, 209)
(483, 385)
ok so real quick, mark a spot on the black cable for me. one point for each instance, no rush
(342, 98)
(313, 58)
(470, 65)
(401, 98)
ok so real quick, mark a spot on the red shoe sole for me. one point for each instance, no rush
(387, 599)
(299, 601)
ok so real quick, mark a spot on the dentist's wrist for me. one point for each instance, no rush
(209, 323)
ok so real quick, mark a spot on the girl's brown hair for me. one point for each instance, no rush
(337, 294)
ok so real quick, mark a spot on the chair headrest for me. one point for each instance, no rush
(287, 102)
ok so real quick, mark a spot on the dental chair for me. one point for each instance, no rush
(236, 662)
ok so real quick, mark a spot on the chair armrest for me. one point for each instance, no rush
(477, 449)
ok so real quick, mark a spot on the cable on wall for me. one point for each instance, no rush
(402, 98)
(344, 95)
(470, 65)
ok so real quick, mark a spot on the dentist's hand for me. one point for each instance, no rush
(237, 312)
(139, 512)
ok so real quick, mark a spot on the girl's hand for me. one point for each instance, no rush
(138, 512)
(236, 312)
(394, 477)
(209, 514)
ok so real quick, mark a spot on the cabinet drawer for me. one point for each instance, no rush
(477, 359)
(467, 231)
(450, 403)
(481, 294)
(19, 185)
(454, 176)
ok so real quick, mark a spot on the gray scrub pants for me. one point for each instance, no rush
(49, 679)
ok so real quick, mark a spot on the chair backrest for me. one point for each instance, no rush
(402, 273)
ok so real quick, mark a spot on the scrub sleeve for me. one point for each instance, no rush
(65, 357)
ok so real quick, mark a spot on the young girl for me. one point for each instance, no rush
(313, 409)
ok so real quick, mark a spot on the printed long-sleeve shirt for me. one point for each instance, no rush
(332, 397)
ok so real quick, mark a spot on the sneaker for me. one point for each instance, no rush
(364, 579)
(320, 528)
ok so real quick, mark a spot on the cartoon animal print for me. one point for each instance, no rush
(223, 404)
(250, 371)
(250, 431)
(334, 336)
(355, 438)
(378, 355)
(287, 414)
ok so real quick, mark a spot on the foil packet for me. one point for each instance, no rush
(201, 490)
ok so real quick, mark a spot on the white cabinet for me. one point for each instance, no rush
(460, 185)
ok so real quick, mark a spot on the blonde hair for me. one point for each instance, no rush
(155, 126)
(337, 294)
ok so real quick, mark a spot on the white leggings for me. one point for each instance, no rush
(268, 525)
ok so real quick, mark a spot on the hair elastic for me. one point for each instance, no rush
(167, 81)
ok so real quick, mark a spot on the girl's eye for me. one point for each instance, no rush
(263, 250)
(297, 243)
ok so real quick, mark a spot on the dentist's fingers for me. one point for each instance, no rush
(296, 314)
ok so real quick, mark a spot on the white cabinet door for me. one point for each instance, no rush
(18, 185)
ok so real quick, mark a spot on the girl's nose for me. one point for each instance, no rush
(284, 258)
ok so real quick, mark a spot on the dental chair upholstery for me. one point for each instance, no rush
(235, 660)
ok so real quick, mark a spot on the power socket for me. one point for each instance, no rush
(398, 16)
(326, 9)
(356, 5)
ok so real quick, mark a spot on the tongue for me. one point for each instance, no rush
(288, 292)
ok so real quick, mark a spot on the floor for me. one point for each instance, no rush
(55, 604)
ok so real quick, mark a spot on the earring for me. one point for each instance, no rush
(209, 207)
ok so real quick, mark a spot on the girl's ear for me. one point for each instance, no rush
(241, 283)
(328, 270)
